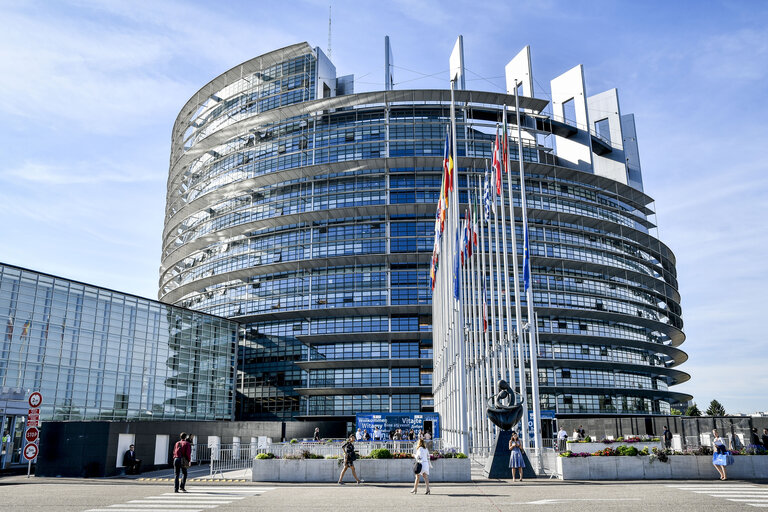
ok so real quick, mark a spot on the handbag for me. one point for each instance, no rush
(184, 462)
(417, 468)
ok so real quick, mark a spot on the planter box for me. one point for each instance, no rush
(370, 470)
(593, 447)
(679, 467)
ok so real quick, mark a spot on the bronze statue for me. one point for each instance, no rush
(502, 411)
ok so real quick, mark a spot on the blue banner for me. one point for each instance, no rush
(390, 421)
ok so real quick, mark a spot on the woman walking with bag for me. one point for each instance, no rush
(516, 461)
(349, 459)
(720, 456)
(182, 455)
(421, 466)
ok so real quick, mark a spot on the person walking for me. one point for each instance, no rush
(421, 466)
(182, 456)
(316, 436)
(667, 436)
(516, 461)
(562, 438)
(720, 456)
(755, 443)
(765, 438)
(349, 460)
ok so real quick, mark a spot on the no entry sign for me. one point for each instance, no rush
(32, 434)
(30, 452)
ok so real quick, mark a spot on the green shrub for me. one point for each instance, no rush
(566, 453)
(645, 451)
(294, 441)
(587, 439)
(263, 456)
(460, 456)
(380, 453)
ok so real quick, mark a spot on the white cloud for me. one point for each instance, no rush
(82, 172)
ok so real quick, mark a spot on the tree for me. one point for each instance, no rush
(715, 409)
(693, 410)
(675, 412)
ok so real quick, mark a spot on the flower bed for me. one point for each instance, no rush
(453, 469)
(582, 447)
(587, 466)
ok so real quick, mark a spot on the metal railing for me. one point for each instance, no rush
(231, 457)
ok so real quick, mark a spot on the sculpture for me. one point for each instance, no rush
(502, 411)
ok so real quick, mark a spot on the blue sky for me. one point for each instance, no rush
(89, 92)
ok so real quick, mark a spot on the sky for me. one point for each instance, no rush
(89, 91)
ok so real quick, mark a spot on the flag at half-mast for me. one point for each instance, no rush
(475, 220)
(526, 261)
(447, 167)
(485, 305)
(487, 195)
(470, 235)
(496, 164)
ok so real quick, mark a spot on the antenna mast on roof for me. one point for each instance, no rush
(329, 32)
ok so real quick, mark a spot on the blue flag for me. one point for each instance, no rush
(526, 261)
(456, 258)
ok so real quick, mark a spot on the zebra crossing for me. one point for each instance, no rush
(197, 499)
(748, 494)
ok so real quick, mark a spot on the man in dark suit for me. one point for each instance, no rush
(131, 463)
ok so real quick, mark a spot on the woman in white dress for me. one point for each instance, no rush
(421, 454)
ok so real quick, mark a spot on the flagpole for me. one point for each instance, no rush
(532, 322)
(477, 322)
(508, 350)
(462, 384)
(484, 339)
(495, 301)
(519, 342)
(489, 384)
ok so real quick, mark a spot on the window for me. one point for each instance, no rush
(602, 129)
(566, 374)
(569, 111)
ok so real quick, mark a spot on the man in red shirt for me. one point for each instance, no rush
(182, 455)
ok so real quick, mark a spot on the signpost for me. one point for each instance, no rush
(32, 435)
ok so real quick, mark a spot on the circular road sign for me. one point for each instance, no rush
(35, 399)
(32, 434)
(30, 451)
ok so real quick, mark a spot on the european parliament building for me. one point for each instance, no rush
(306, 212)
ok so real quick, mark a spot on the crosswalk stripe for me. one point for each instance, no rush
(748, 499)
(239, 489)
(174, 496)
(140, 510)
(757, 504)
(224, 496)
(715, 486)
(163, 505)
(184, 502)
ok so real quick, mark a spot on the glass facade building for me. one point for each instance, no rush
(306, 212)
(97, 354)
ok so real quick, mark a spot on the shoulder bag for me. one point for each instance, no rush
(417, 468)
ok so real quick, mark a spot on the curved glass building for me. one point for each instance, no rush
(306, 212)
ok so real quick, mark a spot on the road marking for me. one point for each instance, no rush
(164, 505)
(554, 501)
(198, 499)
(190, 501)
(752, 495)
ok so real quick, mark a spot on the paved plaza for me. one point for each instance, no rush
(130, 495)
